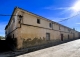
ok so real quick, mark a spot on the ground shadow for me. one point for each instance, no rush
(49, 44)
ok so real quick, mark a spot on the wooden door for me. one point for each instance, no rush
(47, 36)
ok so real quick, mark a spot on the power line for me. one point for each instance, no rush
(68, 18)
(11, 15)
(7, 15)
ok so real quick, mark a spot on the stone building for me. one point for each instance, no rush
(30, 29)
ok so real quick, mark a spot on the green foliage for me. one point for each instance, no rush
(1, 37)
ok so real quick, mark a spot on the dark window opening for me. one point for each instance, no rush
(50, 25)
(38, 21)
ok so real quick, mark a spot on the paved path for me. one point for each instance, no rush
(70, 49)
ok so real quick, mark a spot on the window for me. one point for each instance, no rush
(13, 20)
(50, 25)
(38, 21)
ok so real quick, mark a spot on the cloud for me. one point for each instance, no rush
(63, 10)
(53, 19)
(65, 15)
(57, 8)
(77, 23)
(68, 11)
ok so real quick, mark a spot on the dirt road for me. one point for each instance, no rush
(69, 49)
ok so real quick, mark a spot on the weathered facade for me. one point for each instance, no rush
(30, 29)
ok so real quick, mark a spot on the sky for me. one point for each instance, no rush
(55, 10)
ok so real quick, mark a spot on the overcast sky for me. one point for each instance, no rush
(54, 10)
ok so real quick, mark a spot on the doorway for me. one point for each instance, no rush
(47, 36)
(61, 37)
(68, 36)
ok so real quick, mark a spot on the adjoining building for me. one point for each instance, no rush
(29, 29)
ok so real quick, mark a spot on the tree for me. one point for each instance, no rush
(1, 37)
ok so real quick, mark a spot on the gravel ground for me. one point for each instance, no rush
(69, 49)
